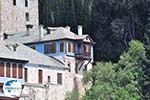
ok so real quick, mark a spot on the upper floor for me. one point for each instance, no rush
(62, 48)
(59, 42)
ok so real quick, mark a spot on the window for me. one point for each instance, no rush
(20, 71)
(26, 74)
(7, 69)
(14, 70)
(69, 67)
(26, 3)
(14, 2)
(1, 88)
(87, 50)
(49, 79)
(50, 48)
(1, 69)
(70, 47)
(62, 47)
(53, 47)
(27, 16)
(59, 78)
(40, 74)
(46, 48)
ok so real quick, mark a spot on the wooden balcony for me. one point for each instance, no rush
(84, 56)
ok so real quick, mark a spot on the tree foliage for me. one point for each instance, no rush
(111, 23)
(117, 81)
(73, 95)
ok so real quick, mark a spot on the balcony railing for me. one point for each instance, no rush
(85, 55)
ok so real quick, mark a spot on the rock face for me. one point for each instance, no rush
(13, 16)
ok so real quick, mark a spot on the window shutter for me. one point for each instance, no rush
(59, 78)
(20, 68)
(14, 69)
(7, 69)
(1, 69)
(40, 76)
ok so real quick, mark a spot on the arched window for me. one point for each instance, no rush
(26, 3)
(27, 17)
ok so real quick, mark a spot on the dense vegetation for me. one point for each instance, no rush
(124, 70)
(118, 81)
(111, 23)
(127, 79)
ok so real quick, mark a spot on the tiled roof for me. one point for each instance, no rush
(59, 33)
(25, 53)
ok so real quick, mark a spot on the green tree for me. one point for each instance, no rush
(73, 95)
(117, 81)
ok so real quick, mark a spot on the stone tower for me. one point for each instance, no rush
(18, 16)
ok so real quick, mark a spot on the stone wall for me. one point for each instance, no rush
(50, 91)
(47, 90)
(13, 18)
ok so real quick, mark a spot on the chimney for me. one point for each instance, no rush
(48, 31)
(12, 47)
(41, 31)
(1, 37)
(68, 28)
(5, 36)
(28, 27)
(80, 30)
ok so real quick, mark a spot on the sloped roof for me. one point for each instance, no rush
(25, 53)
(59, 33)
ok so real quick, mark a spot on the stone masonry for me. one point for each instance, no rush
(13, 17)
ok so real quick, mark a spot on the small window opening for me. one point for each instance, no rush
(49, 79)
(14, 2)
(26, 3)
(59, 78)
(69, 65)
(27, 17)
